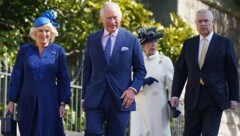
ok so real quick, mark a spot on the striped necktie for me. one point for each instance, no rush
(203, 53)
(108, 49)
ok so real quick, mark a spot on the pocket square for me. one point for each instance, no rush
(124, 49)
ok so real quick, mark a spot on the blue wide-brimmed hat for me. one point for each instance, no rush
(148, 35)
(47, 17)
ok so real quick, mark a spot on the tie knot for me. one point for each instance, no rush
(109, 39)
(204, 39)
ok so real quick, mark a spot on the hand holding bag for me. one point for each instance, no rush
(175, 111)
(8, 126)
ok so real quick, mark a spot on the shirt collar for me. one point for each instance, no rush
(155, 55)
(106, 33)
(209, 37)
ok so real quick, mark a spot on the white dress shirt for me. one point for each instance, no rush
(201, 42)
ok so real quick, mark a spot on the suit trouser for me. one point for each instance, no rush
(205, 118)
(106, 116)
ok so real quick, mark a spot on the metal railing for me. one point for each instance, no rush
(75, 119)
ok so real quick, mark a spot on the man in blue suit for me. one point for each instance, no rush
(209, 64)
(113, 74)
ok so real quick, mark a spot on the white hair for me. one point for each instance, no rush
(110, 5)
(53, 31)
(205, 11)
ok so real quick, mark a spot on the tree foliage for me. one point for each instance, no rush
(174, 36)
(78, 18)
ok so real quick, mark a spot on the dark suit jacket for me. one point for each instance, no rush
(219, 72)
(126, 59)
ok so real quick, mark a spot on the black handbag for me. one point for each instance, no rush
(8, 126)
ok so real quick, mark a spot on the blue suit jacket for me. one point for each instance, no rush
(219, 72)
(117, 74)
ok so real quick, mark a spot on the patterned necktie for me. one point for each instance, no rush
(203, 53)
(108, 49)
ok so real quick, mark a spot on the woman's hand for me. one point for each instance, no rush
(83, 109)
(62, 111)
(10, 107)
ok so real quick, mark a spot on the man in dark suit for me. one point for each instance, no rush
(113, 74)
(209, 64)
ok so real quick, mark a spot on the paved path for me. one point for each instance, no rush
(68, 133)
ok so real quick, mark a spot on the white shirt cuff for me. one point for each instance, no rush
(133, 89)
(174, 97)
(234, 102)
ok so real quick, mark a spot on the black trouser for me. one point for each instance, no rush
(205, 118)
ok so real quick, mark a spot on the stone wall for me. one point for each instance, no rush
(225, 25)
(161, 9)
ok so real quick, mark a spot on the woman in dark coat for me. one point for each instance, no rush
(39, 82)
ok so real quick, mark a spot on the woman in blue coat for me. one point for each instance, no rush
(39, 82)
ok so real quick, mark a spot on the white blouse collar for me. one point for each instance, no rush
(152, 57)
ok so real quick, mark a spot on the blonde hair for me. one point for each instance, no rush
(112, 5)
(53, 30)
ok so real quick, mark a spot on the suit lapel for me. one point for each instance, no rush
(99, 43)
(120, 39)
(195, 50)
